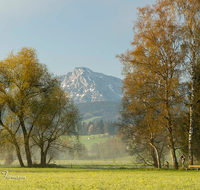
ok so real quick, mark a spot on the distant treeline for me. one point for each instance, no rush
(105, 110)
(98, 127)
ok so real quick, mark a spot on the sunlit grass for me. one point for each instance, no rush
(62, 178)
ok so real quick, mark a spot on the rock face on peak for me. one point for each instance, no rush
(84, 85)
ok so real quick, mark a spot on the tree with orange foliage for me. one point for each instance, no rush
(158, 52)
(140, 122)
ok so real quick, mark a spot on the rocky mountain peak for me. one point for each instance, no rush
(84, 85)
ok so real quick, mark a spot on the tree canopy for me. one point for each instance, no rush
(32, 104)
(165, 49)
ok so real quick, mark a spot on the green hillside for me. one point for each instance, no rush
(94, 111)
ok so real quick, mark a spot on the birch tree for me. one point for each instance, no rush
(157, 48)
(189, 14)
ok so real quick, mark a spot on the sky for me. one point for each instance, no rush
(70, 33)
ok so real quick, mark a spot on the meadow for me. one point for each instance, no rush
(100, 174)
(92, 139)
(66, 178)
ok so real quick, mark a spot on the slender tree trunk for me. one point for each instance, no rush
(49, 160)
(170, 129)
(19, 155)
(190, 144)
(41, 156)
(28, 152)
(42, 161)
(14, 141)
(26, 144)
(155, 163)
(172, 150)
(157, 156)
(44, 155)
(45, 159)
(18, 151)
(191, 128)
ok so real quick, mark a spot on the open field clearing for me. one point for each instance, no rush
(98, 179)
(93, 139)
(128, 161)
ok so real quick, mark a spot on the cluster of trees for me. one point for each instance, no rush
(98, 127)
(113, 148)
(160, 107)
(34, 111)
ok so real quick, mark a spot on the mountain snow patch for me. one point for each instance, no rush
(88, 78)
(111, 87)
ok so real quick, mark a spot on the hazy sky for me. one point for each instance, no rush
(70, 33)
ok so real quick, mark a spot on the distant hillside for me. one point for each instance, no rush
(99, 110)
(84, 85)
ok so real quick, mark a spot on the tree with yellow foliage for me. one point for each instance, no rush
(141, 123)
(57, 118)
(158, 52)
(24, 82)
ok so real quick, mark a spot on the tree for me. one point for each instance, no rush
(101, 126)
(91, 129)
(113, 148)
(157, 51)
(189, 14)
(85, 128)
(24, 82)
(184, 120)
(141, 124)
(75, 149)
(109, 128)
(58, 117)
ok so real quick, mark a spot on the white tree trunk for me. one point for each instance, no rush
(190, 147)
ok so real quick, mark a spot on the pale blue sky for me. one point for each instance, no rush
(70, 33)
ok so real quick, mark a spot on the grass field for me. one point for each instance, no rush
(97, 174)
(64, 179)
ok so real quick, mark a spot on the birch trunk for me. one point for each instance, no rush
(191, 128)
(157, 155)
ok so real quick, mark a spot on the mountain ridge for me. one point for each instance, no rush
(84, 85)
